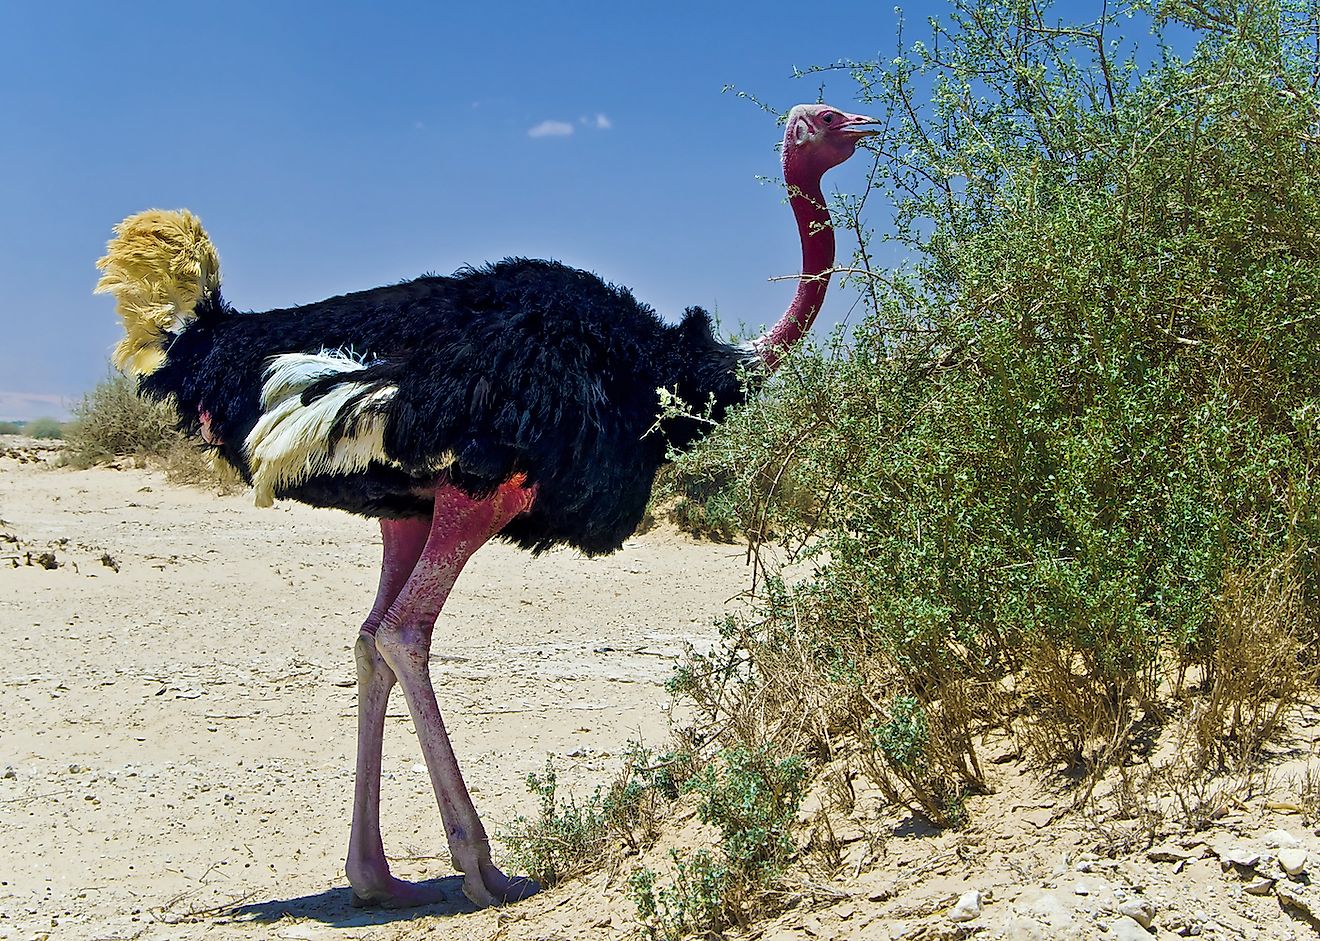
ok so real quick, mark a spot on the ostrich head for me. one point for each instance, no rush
(818, 137)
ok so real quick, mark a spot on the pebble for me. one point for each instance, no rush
(1081, 888)
(1140, 910)
(1281, 838)
(967, 907)
(1259, 886)
(1086, 862)
(1125, 929)
(1293, 860)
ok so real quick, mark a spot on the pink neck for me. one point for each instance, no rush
(813, 221)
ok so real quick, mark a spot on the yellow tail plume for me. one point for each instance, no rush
(158, 266)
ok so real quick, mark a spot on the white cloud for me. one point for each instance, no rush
(603, 122)
(551, 129)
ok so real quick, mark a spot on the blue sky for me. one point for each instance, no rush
(330, 147)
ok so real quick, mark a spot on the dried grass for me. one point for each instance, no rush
(1260, 663)
(112, 422)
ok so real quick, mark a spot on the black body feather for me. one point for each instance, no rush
(524, 367)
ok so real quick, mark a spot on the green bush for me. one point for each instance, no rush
(44, 428)
(701, 507)
(11, 428)
(1084, 411)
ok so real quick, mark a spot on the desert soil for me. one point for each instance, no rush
(178, 697)
(177, 727)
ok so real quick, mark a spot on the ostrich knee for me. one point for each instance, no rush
(371, 666)
(405, 649)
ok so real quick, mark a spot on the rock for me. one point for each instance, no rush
(1281, 838)
(1039, 818)
(1022, 928)
(1139, 909)
(1045, 907)
(967, 907)
(1261, 885)
(1081, 888)
(1124, 928)
(1179, 924)
(1177, 853)
(1240, 856)
(814, 926)
(1293, 860)
(1166, 853)
(1299, 898)
(1133, 874)
(1285, 807)
(1086, 862)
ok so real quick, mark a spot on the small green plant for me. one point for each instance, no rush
(569, 836)
(705, 508)
(566, 836)
(44, 428)
(752, 797)
(904, 737)
(11, 428)
(694, 902)
(914, 767)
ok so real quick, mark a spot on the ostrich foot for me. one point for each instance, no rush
(390, 892)
(485, 885)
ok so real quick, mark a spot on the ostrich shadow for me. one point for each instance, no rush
(335, 907)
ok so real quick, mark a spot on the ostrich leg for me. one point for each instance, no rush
(367, 869)
(459, 527)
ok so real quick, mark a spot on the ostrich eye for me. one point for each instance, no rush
(828, 117)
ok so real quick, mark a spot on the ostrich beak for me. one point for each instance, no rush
(853, 132)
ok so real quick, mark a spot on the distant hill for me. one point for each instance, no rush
(25, 406)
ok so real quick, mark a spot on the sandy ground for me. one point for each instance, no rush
(178, 698)
(177, 723)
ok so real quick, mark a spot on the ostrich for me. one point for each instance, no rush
(513, 400)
